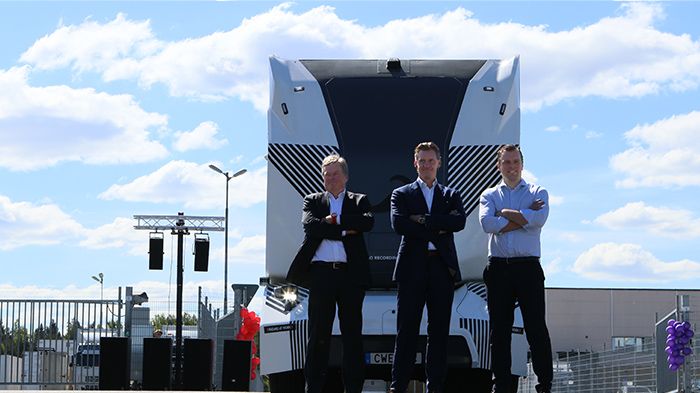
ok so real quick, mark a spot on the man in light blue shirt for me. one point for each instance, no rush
(513, 214)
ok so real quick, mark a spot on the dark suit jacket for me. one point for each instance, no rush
(356, 214)
(409, 200)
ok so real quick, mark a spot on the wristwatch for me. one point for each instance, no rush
(421, 220)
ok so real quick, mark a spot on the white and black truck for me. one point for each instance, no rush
(374, 112)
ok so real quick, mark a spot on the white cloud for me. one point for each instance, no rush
(250, 249)
(662, 221)
(118, 234)
(529, 176)
(204, 187)
(42, 126)
(24, 223)
(202, 137)
(572, 237)
(552, 267)
(624, 55)
(556, 200)
(553, 129)
(662, 154)
(593, 134)
(631, 263)
(126, 39)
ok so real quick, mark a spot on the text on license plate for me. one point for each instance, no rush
(387, 358)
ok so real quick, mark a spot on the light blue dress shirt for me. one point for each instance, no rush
(522, 242)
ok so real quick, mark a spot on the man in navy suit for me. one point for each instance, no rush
(333, 263)
(426, 214)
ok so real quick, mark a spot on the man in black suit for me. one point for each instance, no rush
(426, 215)
(333, 263)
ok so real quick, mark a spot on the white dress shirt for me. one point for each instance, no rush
(332, 250)
(428, 193)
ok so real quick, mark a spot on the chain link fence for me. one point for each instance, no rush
(624, 370)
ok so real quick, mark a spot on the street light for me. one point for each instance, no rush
(228, 177)
(101, 280)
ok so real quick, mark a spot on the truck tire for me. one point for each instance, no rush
(287, 382)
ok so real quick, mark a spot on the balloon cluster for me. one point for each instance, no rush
(250, 326)
(678, 343)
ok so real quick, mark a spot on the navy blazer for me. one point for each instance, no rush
(356, 214)
(446, 215)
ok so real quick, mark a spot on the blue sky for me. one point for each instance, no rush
(112, 109)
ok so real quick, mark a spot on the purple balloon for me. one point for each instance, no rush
(686, 325)
(689, 333)
(673, 367)
(671, 322)
(670, 330)
(670, 341)
(687, 351)
(683, 340)
(669, 350)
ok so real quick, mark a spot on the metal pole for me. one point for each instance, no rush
(178, 312)
(226, 250)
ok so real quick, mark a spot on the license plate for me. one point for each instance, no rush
(387, 358)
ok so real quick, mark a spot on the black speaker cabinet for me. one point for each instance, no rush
(155, 253)
(198, 364)
(201, 255)
(114, 363)
(235, 372)
(157, 363)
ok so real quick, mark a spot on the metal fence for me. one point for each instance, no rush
(624, 370)
(51, 344)
(54, 344)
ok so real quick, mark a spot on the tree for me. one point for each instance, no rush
(160, 320)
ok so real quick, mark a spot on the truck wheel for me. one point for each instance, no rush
(477, 380)
(287, 382)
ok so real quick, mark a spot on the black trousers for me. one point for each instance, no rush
(523, 282)
(435, 290)
(330, 287)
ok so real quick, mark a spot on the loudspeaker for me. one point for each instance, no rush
(235, 372)
(155, 253)
(114, 363)
(198, 364)
(201, 254)
(157, 363)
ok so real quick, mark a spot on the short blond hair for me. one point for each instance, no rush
(335, 158)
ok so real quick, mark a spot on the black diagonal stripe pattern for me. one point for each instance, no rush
(479, 288)
(300, 164)
(472, 169)
(479, 330)
(277, 304)
(298, 338)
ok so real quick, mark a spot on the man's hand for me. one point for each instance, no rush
(331, 219)
(537, 204)
(419, 218)
(351, 232)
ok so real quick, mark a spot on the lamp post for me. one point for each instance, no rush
(228, 177)
(101, 279)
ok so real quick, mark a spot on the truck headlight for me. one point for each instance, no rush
(289, 295)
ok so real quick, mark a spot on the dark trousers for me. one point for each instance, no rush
(435, 289)
(523, 282)
(328, 288)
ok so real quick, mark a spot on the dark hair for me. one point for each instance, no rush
(509, 147)
(425, 146)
